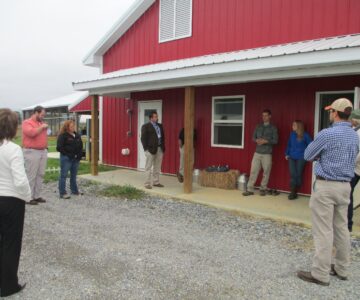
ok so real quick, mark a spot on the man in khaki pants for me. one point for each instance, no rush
(265, 136)
(34, 140)
(334, 150)
(153, 141)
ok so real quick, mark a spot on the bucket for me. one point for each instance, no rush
(242, 182)
(196, 176)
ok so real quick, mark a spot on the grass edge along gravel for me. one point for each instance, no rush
(124, 192)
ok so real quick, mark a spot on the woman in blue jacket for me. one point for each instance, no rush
(298, 141)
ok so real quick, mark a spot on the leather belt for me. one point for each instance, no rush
(322, 178)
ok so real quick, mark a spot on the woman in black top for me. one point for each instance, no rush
(70, 146)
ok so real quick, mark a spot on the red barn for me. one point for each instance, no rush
(237, 57)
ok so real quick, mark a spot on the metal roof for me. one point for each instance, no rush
(332, 56)
(338, 42)
(67, 100)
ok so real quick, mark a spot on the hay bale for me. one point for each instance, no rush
(221, 180)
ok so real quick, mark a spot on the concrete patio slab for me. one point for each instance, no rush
(274, 207)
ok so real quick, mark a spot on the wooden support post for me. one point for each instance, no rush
(94, 135)
(189, 120)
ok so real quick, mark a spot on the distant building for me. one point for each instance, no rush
(61, 109)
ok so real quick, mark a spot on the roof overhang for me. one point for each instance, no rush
(94, 57)
(67, 101)
(337, 58)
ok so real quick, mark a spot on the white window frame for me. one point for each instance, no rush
(213, 122)
(317, 102)
(175, 37)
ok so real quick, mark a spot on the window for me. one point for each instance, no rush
(228, 121)
(325, 99)
(175, 19)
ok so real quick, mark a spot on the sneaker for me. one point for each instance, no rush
(262, 193)
(292, 196)
(158, 185)
(77, 194)
(66, 196)
(148, 186)
(248, 193)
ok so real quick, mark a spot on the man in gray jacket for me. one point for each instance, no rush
(265, 136)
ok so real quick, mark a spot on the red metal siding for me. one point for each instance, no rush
(288, 100)
(228, 25)
(115, 127)
(83, 106)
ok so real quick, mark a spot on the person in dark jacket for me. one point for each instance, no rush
(70, 146)
(153, 141)
(298, 141)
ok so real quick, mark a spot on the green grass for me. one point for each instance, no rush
(84, 168)
(126, 191)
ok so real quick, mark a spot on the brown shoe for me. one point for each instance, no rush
(40, 200)
(180, 177)
(306, 276)
(262, 193)
(158, 185)
(32, 202)
(276, 192)
(247, 193)
(149, 187)
(334, 273)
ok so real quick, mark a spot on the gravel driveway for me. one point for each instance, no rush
(98, 248)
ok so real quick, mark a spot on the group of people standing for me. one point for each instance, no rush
(266, 136)
(21, 180)
(335, 152)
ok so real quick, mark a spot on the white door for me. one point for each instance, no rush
(144, 110)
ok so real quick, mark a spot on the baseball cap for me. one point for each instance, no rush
(341, 104)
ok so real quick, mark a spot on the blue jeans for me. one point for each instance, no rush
(296, 167)
(67, 164)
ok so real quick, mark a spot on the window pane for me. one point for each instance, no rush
(228, 134)
(228, 109)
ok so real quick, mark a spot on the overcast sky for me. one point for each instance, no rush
(43, 42)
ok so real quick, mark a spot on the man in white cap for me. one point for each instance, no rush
(334, 150)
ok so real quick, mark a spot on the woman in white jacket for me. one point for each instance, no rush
(14, 191)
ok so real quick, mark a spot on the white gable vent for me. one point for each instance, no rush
(175, 19)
